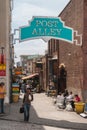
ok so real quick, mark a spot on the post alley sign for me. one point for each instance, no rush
(50, 27)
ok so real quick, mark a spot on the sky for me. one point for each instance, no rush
(23, 11)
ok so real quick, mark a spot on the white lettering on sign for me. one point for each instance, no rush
(45, 23)
(45, 31)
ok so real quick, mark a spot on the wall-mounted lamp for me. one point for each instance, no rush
(69, 54)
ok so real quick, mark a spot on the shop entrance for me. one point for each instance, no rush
(62, 79)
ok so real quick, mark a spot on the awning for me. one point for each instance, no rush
(39, 62)
(30, 76)
(55, 57)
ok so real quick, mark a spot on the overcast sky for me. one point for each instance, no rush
(23, 11)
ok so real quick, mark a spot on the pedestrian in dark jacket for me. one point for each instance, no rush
(28, 97)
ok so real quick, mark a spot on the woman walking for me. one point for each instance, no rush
(28, 97)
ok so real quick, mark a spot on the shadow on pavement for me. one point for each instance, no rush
(12, 114)
(55, 123)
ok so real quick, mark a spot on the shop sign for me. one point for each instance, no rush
(50, 27)
(2, 73)
(15, 88)
(2, 70)
(2, 65)
(18, 71)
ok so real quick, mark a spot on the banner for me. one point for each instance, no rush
(2, 65)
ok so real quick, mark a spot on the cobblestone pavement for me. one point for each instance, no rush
(43, 116)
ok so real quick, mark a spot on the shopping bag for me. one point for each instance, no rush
(21, 109)
(69, 107)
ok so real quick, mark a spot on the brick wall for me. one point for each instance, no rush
(84, 47)
(70, 54)
(74, 57)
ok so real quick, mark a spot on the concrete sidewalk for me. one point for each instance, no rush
(45, 108)
(44, 112)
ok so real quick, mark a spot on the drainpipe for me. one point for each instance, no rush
(57, 43)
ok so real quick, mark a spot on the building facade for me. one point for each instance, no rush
(28, 63)
(5, 45)
(73, 57)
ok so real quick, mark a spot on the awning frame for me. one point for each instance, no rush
(30, 76)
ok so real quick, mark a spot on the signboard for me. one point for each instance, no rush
(2, 70)
(2, 65)
(18, 71)
(15, 88)
(50, 27)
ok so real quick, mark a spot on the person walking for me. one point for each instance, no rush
(28, 97)
(2, 96)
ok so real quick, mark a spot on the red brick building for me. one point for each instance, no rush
(74, 58)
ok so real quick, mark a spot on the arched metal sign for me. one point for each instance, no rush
(46, 27)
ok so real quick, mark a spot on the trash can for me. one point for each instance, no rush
(15, 97)
(79, 107)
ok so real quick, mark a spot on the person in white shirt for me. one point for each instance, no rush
(60, 101)
(70, 97)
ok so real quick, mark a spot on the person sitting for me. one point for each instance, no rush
(51, 85)
(77, 98)
(66, 93)
(60, 101)
(69, 99)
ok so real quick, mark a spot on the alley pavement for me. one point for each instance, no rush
(43, 116)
